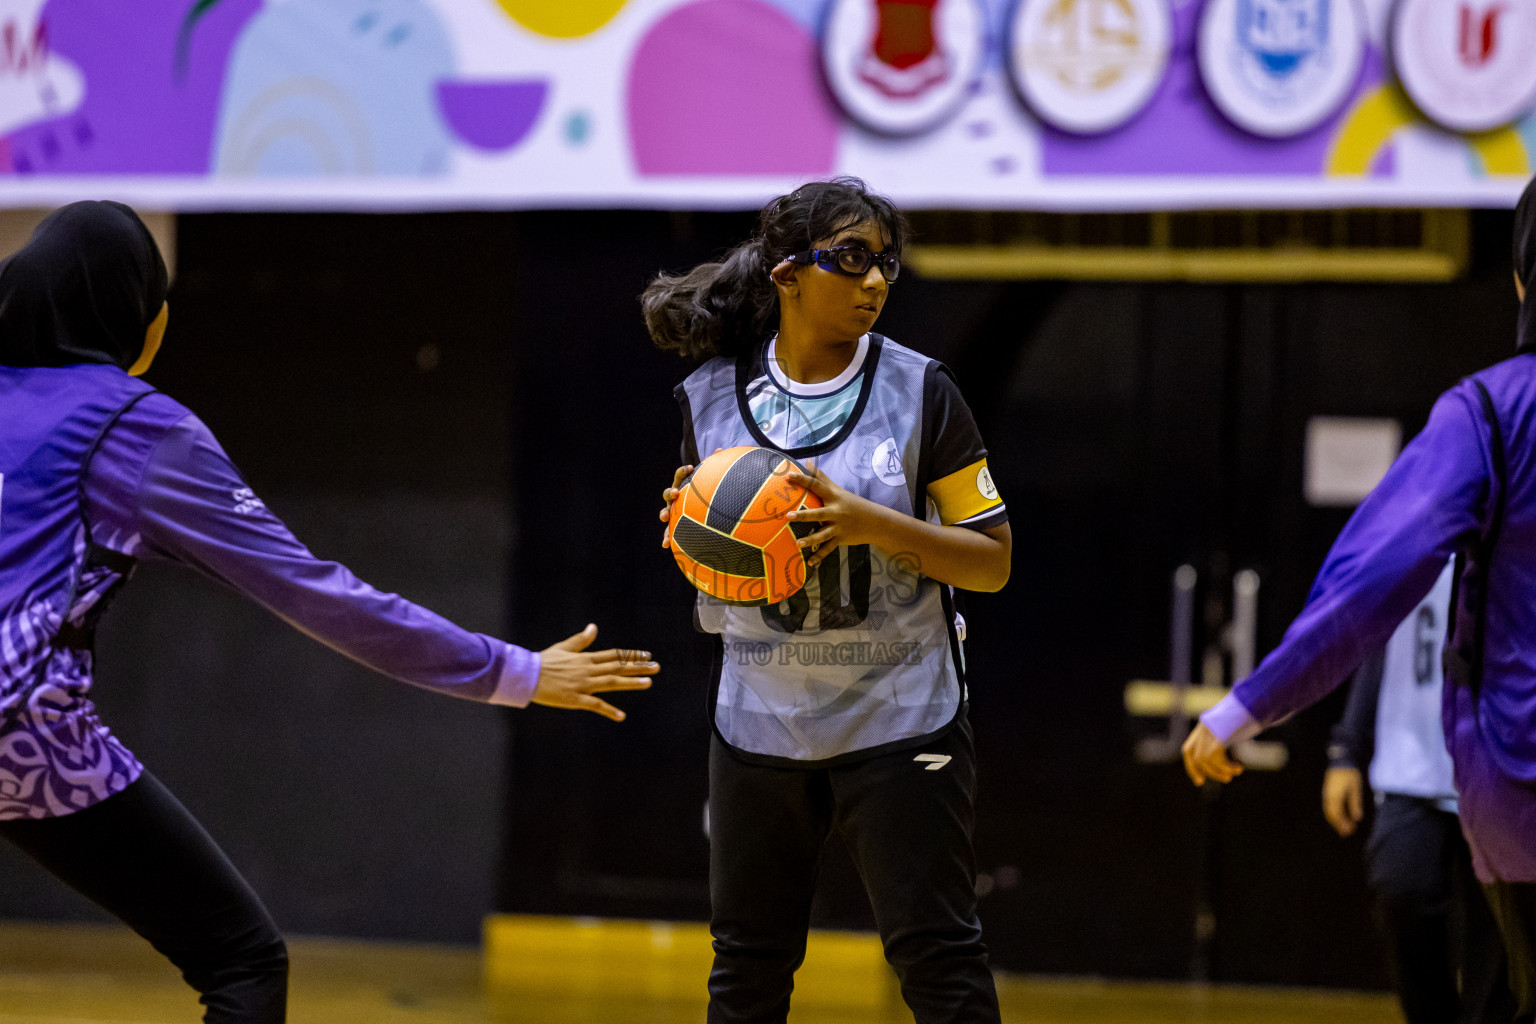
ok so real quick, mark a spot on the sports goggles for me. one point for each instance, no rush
(853, 260)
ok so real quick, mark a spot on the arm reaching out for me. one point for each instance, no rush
(569, 678)
(181, 499)
(1431, 503)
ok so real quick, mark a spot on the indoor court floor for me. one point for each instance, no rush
(74, 974)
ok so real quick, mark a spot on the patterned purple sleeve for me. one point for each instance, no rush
(161, 487)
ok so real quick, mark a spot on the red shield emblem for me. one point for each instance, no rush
(905, 58)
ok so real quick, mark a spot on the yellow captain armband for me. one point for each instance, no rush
(965, 495)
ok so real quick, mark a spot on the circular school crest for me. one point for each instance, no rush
(902, 66)
(1469, 65)
(1278, 68)
(1088, 66)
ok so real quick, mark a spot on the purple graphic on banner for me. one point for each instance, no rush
(491, 115)
(142, 113)
(730, 87)
(1181, 132)
(1385, 164)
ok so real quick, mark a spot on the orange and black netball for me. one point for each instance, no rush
(728, 532)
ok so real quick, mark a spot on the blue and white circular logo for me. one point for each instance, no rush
(1088, 66)
(1280, 67)
(902, 66)
(1469, 65)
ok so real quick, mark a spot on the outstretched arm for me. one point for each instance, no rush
(189, 504)
(1431, 503)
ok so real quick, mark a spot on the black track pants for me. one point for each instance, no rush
(908, 829)
(1442, 942)
(1514, 906)
(141, 856)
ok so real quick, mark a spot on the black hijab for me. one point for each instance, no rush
(84, 289)
(1525, 265)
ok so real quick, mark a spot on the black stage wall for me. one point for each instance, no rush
(464, 408)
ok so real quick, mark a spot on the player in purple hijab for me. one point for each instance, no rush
(1464, 487)
(97, 471)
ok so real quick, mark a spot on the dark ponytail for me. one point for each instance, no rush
(719, 309)
(715, 308)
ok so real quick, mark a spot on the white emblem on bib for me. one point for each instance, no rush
(886, 462)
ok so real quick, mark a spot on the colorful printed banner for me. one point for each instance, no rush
(1031, 104)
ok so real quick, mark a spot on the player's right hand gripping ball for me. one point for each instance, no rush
(727, 528)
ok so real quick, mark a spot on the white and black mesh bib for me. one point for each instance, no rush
(864, 657)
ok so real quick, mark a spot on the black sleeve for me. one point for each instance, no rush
(1353, 739)
(952, 466)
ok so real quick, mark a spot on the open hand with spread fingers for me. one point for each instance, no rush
(569, 674)
(845, 517)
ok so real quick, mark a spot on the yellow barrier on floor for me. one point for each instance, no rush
(666, 960)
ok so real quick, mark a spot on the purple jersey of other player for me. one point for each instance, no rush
(1437, 499)
(158, 486)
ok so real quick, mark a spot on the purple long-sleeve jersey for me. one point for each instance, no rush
(160, 488)
(1436, 500)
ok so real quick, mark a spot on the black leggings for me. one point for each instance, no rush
(907, 824)
(142, 856)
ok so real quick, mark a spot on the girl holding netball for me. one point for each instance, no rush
(97, 470)
(815, 738)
